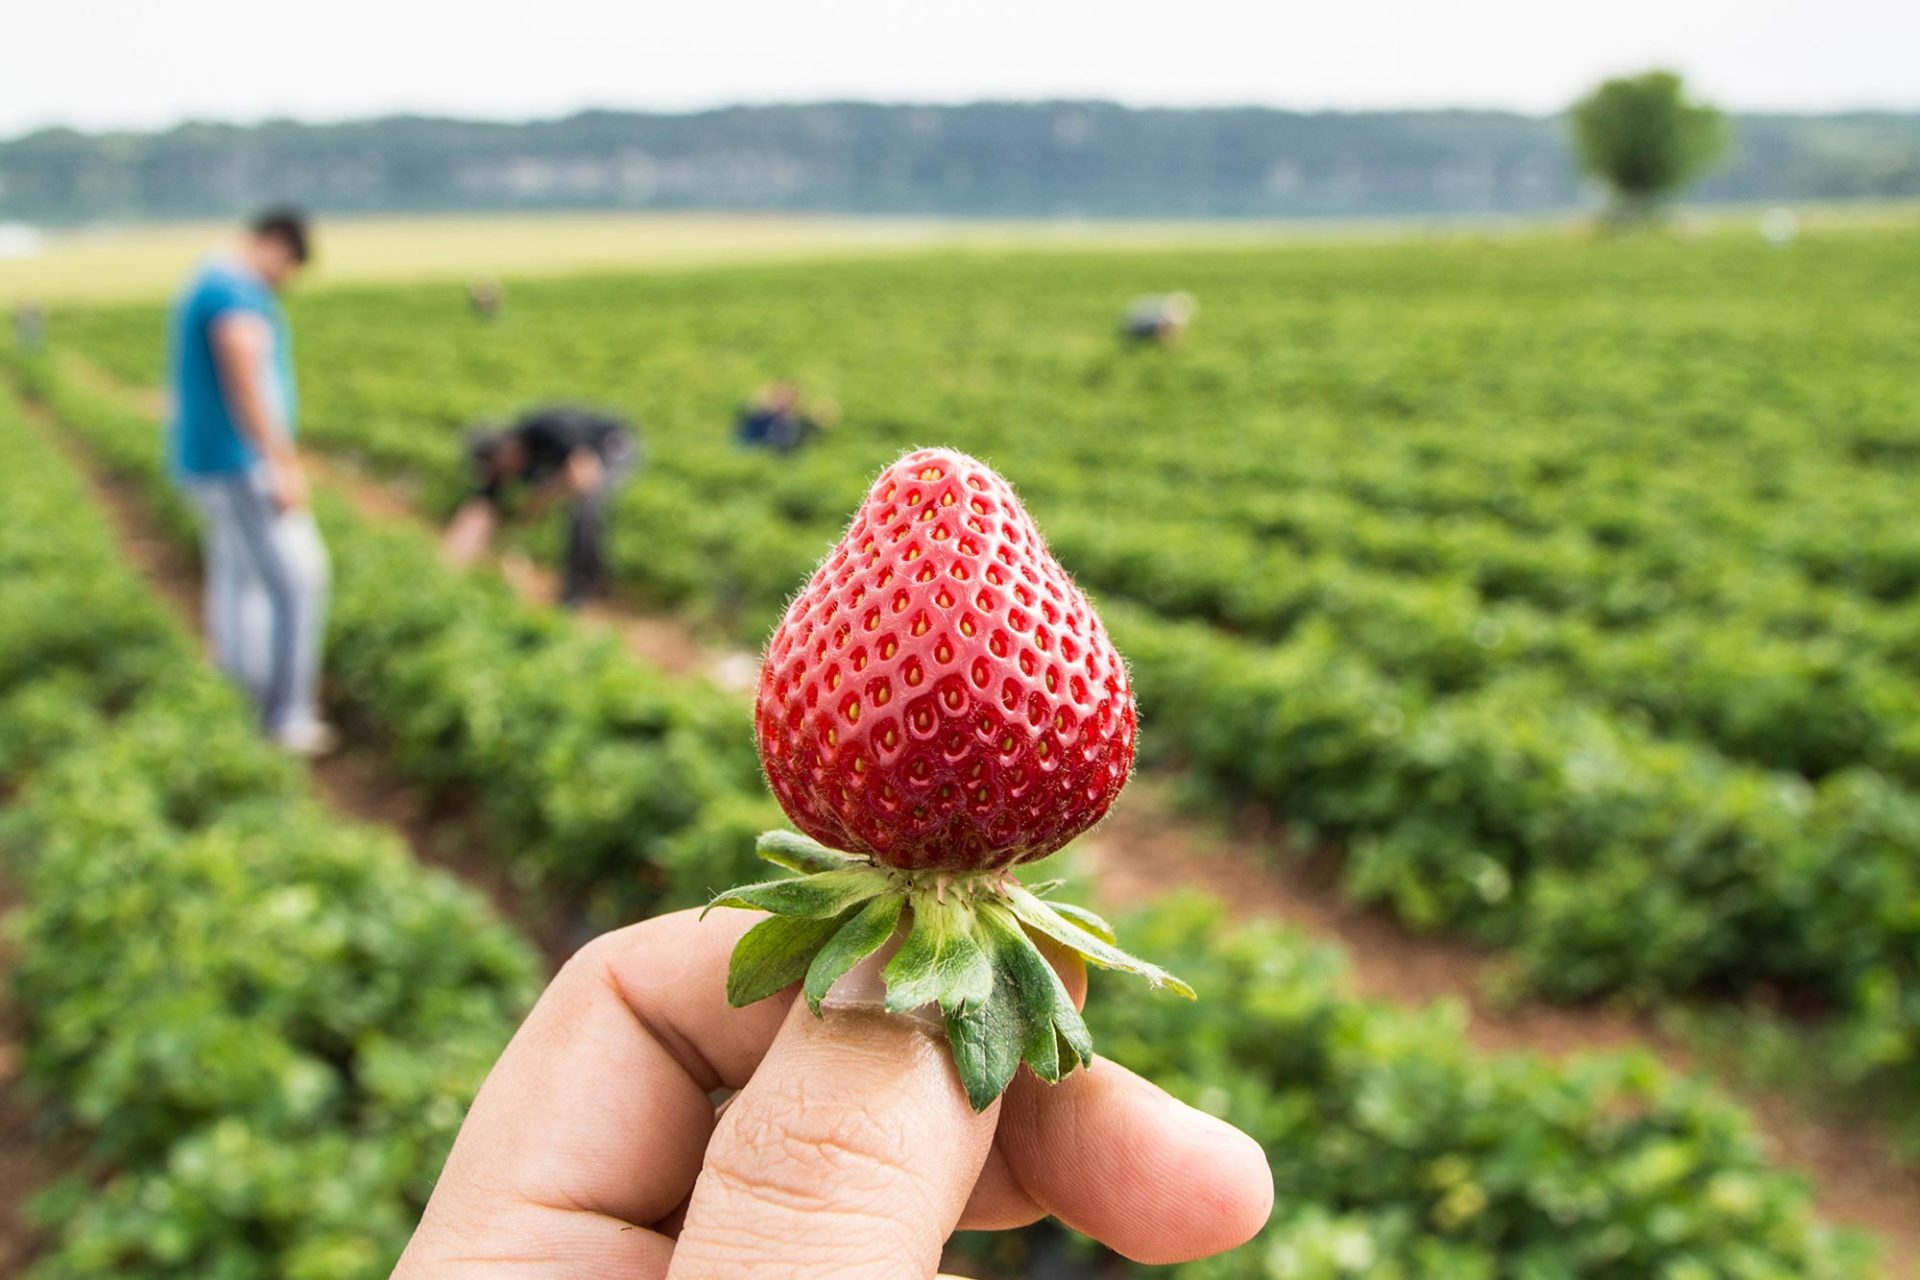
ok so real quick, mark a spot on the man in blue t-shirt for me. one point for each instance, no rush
(231, 448)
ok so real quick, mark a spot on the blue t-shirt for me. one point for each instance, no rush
(204, 439)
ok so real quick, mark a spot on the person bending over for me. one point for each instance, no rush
(1160, 319)
(558, 452)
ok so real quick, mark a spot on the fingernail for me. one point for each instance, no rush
(862, 990)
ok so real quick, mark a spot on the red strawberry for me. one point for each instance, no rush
(942, 699)
(941, 696)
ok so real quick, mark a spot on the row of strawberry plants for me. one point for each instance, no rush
(1399, 1153)
(1394, 1143)
(1606, 858)
(1772, 690)
(1653, 512)
(1763, 691)
(1762, 667)
(1624, 571)
(261, 1025)
(1522, 808)
(1603, 859)
(604, 787)
(1556, 414)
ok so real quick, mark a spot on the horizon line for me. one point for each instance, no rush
(13, 135)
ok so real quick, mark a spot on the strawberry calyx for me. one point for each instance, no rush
(967, 944)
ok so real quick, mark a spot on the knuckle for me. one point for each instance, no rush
(592, 962)
(815, 1155)
(580, 981)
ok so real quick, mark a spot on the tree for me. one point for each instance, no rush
(1644, 138)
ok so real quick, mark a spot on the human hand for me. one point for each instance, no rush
(584, 471)
(849, 1151)
(469, 533)
(287, 485)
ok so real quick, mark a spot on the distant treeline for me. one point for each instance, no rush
(1055, 158)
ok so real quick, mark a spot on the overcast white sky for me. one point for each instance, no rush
(101, 63)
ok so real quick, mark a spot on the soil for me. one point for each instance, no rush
(1142, 851)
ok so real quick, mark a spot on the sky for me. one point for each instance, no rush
(150, 63)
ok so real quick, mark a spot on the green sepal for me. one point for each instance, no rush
(971, 948)
(859, 938)
(1049, 1018)
(775, 954)
(803, 854)
(1087, 920)
(987, 1043)
(1029, 1016)
(825, 893)
(941, 962)
(1044, 918)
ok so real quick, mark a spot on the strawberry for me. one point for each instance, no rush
(941, 696)
(938, 706)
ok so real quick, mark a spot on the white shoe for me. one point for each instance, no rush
(308, 738)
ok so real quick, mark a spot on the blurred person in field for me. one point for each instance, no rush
(779, 421)
(29, 326)
(484, 296)
(231, 448)
(1160, 318)
(550, 454)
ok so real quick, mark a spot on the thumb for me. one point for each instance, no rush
(850, 1153)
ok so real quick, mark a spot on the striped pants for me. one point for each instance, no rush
(266, 607)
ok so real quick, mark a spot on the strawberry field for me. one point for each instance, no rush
(1568, 589)
(1566, 594)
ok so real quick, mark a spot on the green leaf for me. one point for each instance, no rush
(1087, 920)
(1071, 1055)
(775, 953)
(826, 893)
(1075, 1039)
(1035, 989)
(804, 854)
(1028, 1016)
(941, 960)
(1043, 918)
(859, 938)
(987, 1042)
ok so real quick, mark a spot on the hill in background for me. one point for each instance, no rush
(1088, 159)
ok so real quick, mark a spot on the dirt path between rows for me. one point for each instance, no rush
(1145, 848)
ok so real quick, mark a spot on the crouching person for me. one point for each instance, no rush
(553, 454)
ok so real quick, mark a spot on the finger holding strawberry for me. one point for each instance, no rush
(940, 705)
